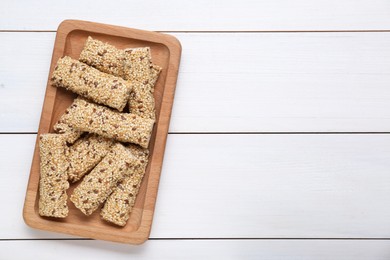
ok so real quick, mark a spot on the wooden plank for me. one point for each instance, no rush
(280, 82)
(202, 15)
(246, 186)
(22, 84)
(200, 249)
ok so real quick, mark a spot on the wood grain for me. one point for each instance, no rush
(283, 82)
(203, 15)
(166, 52)
(203, 249)
(249, 186)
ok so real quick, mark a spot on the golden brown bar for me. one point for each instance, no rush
(155, 72)
(141, 100)
(98, 185)
(91, 83)
(89, 117)
(138, 64)
(130, 64)
(53, 181)
(120, 203)
(71, 134)
(85, 154)
(103, 57)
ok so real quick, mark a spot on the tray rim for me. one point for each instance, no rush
(174, 47)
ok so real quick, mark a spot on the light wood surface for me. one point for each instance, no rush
(202, 15)
(340, 82)
(248, 67)
(327, 188)
(70, 40)
(202, 249)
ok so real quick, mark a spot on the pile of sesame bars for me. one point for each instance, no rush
(96, 142)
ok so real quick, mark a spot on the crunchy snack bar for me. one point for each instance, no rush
(98, 185)
(155, 72)
(120, 203)
(53, 181)
(104, 57)
(138, 64)
(141, 100)
(130, 64)
(85, 154)
(89, 117)
(91, 83)
(70, 134)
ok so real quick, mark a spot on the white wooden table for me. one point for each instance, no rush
(279, 144)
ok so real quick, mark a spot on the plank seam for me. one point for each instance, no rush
(240, 133)
(198, 238)
(274, 133)
(243, 31)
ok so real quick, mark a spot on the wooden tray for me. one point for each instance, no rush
(166, 51)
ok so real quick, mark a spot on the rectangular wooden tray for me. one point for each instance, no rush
(166, 51)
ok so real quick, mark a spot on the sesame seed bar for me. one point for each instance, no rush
(130, 64)
(98, 185)
(85, 154)
(119, 204)
(141, 100)
(155, 72)
(91, 83)
(71, 134)
(53, 181)
(138, 64)
(89, 117)
(104, 57)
